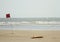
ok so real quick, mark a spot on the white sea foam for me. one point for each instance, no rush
(32, 22)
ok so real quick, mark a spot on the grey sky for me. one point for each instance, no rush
(30, 8)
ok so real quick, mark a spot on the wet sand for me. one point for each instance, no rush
(27, 36)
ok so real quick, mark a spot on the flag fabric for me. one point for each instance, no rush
(8, 15)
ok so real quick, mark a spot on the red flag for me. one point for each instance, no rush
(8, 15)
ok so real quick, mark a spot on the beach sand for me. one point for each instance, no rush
(27, 36)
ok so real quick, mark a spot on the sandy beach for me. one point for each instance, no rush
(26, 36)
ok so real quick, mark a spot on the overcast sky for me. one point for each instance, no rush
(30, 8)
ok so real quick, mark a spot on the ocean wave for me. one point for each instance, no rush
(33, 22)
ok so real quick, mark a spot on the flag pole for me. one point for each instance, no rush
(8, 18)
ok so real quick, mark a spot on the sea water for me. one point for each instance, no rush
(30, 26)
